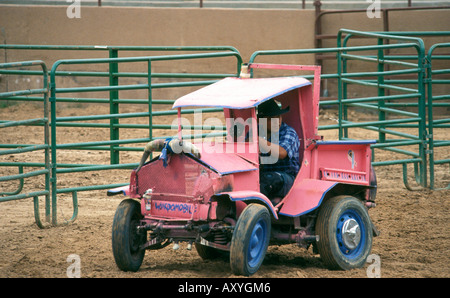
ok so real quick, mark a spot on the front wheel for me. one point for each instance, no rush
(250, 240)
(126, 240)
(345, 232)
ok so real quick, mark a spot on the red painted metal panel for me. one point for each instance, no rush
(224, 162)
(246, 195)
(305, 196)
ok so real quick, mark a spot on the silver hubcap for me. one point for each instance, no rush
(351, 233)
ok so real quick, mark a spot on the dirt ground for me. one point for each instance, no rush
(414, 225)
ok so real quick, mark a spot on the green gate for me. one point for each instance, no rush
(113, 144)
(147, 82)
(435, 77)
(398, 82)
(44, 168)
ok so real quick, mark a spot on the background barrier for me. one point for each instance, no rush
(112, 86)
(437, 101)
(392, 76)
(113, 144)
(395, 89)
(6, 195)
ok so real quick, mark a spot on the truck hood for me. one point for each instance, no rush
(224, 162)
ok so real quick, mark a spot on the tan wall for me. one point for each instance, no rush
(414, 20)
(245, 29)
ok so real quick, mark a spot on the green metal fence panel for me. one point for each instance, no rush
(390, 117)
(6, 195)
(114, 143)
(399, 102)
(437, 77)
(423, 83)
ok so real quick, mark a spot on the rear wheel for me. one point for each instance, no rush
(126, 240)
(345, 232)
(250, 240)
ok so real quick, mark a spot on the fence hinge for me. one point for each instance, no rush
(426, 63)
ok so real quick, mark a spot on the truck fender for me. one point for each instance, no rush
(305, 196)
(248, 197)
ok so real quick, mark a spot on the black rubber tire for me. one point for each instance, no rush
(250, 240)
(125, 239)
(329, 226)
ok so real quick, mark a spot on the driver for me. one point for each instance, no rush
(276, 179)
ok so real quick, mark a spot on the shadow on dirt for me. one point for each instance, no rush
(293, 260)
(283, 258)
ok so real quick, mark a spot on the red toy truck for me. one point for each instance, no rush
(208, 193)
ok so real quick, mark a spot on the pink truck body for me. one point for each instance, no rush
(191, 197)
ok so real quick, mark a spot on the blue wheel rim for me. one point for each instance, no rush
(351, 246)
(257, 243)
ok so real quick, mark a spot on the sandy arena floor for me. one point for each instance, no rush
(414, 225)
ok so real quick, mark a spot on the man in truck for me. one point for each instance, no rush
(281, 142)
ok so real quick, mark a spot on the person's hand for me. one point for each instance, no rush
(266, 147)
